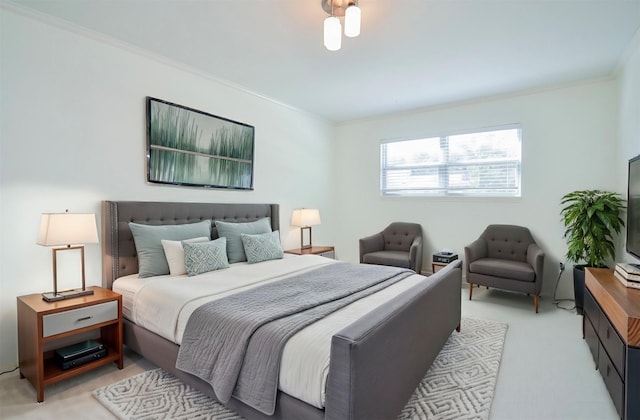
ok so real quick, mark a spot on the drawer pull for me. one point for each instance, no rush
(608, 333)
(84, 318)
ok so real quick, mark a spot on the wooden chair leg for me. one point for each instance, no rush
(536, 301)
(458, 328)
(470, 290)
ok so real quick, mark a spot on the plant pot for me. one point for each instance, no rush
(578, 287)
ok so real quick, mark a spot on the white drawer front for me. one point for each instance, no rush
(78, 318)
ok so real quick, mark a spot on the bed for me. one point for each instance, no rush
(375, 362)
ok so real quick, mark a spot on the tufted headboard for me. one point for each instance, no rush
(118, 249)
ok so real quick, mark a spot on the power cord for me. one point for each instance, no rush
(557, 301)
(9, 371)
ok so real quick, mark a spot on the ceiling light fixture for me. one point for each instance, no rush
(332, 26)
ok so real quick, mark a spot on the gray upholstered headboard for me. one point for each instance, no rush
(118, 249)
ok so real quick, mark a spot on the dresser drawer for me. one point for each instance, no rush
(591, 309)
(79, 318)
(591, 336)
(612, 343)
(612, 380)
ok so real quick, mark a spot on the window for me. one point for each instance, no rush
(483, 163)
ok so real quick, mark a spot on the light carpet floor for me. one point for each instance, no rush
(459, 385)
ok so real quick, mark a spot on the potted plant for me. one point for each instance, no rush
(592, 220)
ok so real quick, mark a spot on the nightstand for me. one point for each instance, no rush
(441, 260)
(437, 266)
(44, 327)
(324, 251)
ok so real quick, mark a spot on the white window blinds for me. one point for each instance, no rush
(484, 163)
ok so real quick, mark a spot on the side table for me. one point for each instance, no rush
(441, 260)
(324, 251)
(44, 327)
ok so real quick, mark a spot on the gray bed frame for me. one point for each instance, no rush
(376, 362)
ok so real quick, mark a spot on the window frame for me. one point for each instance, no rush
(446, 191)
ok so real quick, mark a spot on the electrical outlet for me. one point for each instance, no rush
(561, 266)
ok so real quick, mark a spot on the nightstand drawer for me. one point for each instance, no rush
(78, 318)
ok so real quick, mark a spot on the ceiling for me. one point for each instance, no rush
(410, 54)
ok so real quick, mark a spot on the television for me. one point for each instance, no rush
(633, 208)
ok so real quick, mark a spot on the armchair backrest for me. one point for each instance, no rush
(507, 242)
(399, 236)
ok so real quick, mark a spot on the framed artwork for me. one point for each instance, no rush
(193, 148)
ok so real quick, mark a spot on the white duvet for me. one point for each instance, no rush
(163, 305)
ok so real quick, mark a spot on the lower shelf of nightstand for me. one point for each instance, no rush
(53, 373)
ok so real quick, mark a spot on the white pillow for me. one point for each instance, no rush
(174, 253)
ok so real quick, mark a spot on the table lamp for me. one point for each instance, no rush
(67, 231)
(305, 218)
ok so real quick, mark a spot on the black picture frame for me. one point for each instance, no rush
(193, 148)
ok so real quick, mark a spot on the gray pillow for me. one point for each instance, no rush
(151, 258)
(201, 257)
(232, 231)
(262, 247)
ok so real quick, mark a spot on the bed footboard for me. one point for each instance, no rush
(378, 361)
(163, 353)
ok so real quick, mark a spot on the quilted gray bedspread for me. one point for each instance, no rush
(236, 343)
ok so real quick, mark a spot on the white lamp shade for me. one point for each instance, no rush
(67, 229)
(305, 217)
(332, 33)
(352, 18)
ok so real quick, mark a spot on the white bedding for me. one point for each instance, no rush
(163, 305)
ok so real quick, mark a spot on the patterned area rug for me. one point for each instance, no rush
(459, 385)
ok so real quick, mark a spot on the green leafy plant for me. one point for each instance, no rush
(592, 219)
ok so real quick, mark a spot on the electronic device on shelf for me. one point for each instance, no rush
(445, 256)
(79, 354)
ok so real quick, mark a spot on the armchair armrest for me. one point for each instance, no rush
(535, 258)
(474, 251)
(371, 243)
(415, 254)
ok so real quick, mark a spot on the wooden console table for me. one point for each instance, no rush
(611, 327)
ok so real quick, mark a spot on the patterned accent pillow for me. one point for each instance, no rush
(202, 257)
(175, 254)
(262, 247)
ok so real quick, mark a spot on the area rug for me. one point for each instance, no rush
(459, 385)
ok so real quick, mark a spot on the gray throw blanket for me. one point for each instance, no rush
(235, 343)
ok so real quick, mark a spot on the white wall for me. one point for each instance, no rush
(73, 133)
(629, 93)
(569, 142)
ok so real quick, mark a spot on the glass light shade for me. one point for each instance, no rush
(352, 18)
(305, 217)
(67, 229)
(332, 33)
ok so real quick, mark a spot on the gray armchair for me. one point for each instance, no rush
(505, 257)
(399, 245)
